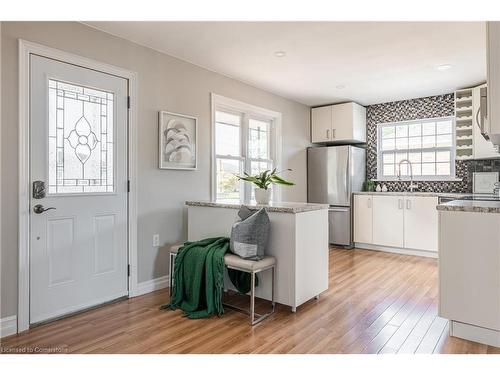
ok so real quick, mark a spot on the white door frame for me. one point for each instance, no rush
(27, 48)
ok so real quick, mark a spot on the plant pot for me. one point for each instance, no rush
(262, 196)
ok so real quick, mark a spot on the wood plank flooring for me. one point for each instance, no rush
(376, 303)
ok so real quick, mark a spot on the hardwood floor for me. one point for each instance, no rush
(377, 303)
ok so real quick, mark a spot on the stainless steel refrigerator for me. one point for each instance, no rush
(333, 173)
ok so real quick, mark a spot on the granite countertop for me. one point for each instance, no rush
(471, 206)
(424, 194)
(284, 207)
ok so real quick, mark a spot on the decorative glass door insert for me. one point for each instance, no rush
(80, 152)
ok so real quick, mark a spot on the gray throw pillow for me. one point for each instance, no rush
(250, 233)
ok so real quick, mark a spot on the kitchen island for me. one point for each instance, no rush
(298, 240)
(469, 269)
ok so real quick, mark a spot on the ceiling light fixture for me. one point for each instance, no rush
(280, 53)
(443, 67)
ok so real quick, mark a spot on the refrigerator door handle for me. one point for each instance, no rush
(339, 209)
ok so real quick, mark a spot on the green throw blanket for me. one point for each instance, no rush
(199, 278)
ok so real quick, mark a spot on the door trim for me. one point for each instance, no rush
(27, 48)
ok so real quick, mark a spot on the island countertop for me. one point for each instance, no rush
(284, 207)
(492, 207)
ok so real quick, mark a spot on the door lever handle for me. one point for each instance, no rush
(39, 209)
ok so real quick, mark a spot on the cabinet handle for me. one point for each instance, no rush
(327, 133)
(400, 204)
(333, 133)
(369, 203)
(408, 204)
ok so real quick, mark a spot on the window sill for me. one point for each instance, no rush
(420, 179)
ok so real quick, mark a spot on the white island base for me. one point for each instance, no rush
(298, 240)
(469, 269)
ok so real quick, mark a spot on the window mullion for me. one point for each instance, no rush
(244, 153)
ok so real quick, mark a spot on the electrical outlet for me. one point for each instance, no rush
(156, 240)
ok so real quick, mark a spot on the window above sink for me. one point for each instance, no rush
(427, 143)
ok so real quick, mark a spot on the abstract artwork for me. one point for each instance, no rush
(177, 141)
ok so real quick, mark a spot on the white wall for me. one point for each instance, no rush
(165, 83)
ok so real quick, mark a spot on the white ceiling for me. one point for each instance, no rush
(376, 61)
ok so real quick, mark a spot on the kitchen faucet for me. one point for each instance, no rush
(411, 174)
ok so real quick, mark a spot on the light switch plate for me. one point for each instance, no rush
(484, 182)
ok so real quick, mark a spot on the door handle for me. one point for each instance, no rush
(400, 204)
(39, 209)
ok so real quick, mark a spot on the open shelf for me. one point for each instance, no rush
(464, 135)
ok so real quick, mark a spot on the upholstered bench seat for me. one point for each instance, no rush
(237, 263)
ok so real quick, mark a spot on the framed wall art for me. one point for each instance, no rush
(178, 141)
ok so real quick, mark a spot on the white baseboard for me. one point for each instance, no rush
(397, 250)
(152, 285)
(8, 326)
(473, 333)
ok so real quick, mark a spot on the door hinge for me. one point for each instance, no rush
(128, 186)
(128, 269)
(128, 102)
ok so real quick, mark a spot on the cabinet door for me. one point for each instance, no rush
(493, 79)
(421, 223)
(363, 231)
(349, 122)
(358, 123)
(321, 124)
(388, 216)
(342, 121)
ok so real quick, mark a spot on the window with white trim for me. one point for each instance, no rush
(428, 144)
(244, 141)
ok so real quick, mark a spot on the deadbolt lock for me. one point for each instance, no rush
(38, 189)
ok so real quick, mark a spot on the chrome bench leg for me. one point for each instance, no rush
(252, 299)
(171, 273)
(254, 317)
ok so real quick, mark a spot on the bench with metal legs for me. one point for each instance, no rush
(249, 266)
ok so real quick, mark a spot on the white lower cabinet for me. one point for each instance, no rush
(388, 226)
(363, 221)
(421, 223)
(401, 222)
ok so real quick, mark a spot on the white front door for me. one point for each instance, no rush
(78, 153)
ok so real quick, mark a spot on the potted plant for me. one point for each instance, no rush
(369, 185)
(263, 182)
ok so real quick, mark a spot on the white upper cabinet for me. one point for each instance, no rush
(493, 80)
(421, 223)
(321, 129)
(339, 123)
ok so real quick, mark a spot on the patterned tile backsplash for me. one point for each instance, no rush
(432, 106)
